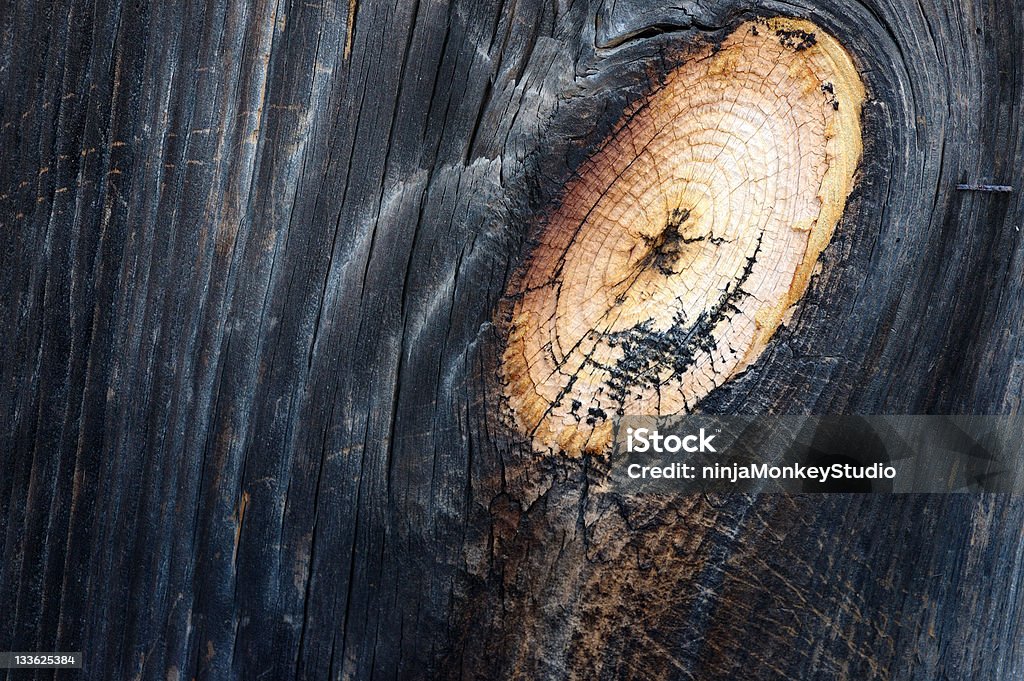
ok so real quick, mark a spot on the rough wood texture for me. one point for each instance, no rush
(682, 244)
(252, 254)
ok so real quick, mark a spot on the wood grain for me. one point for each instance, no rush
(251, 257)
(684, 241)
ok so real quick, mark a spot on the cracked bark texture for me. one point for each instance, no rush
(252, 255)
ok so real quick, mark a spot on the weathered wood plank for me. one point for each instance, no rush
(252, 254)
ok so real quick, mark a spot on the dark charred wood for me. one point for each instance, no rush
(252, 269)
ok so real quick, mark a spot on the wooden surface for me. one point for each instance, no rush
(252, 254)
(676, 251)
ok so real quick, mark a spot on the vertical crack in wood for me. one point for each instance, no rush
(350, 27)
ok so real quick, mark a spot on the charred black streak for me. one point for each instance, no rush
(796, 39)
(645, 351)
(558, 400)
(829, 91)
(663, 250)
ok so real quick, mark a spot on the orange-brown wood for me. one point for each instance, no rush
(687, 238)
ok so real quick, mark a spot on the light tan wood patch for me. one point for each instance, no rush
(686, 239)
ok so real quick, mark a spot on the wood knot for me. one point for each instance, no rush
(666, 248)
(684, 241)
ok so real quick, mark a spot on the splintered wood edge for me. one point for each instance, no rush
(684, 242)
